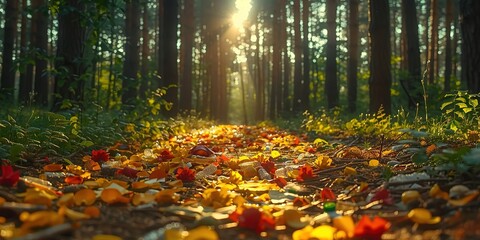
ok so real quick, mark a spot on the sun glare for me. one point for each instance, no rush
(243, 9)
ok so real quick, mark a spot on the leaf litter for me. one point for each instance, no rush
(242, 182)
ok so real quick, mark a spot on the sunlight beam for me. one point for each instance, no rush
(240, 16)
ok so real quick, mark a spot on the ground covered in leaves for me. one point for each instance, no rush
(240, 182)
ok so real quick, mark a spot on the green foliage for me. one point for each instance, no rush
(461, 110)
(378, 124)
(323, 122)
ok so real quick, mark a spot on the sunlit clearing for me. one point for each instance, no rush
(243, 9)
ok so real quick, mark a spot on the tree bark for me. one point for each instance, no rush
(170, 69)
(331, 84)
(412, 84)
(187, 32)
(380, 67)
(432, 51)
(297, 74)
(132, 57)
(7, 81)
(40, 43)
(353, 54)
(448, 46)
(145, 68)
(306, 56)
(26, 69)
(470, 25)
(69, 64)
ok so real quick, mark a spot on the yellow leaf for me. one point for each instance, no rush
(202, 233)
(345, 223)
(468, 198)
(303, 234)
(294, 219)
(235, 177)
(422, 216)
(436, 192)
(349, 171)
(410, 195)
(275, 154)
(106, 237)
(323, 161)
(324, 232)
(373, 163)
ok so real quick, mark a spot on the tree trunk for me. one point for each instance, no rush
(26, 69)
(287, 100)
(276, 62)
(7, 81)
(297, 77)
(380, 67)
(170, 69)
(412, 84)
(145, 69)
(470, 25)
(70, 81)
(331, 84)
(353, 54)
(448, 45)
(132, 57)
(432, 52)
(40, 35)
(306, 56)
(187, 32)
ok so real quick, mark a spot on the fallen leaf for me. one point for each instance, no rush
(185, 174)
(422, 216)
(92, 211)
(53, 167)
(9, 178)
(73, 180)
(202, 233)
(100, 155)
(346, 224)
(112, 196)
(142, 198)
(371, 229)
(84, 197)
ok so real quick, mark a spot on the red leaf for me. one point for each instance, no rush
(202, 150)
(100, 155)
(185, 174)
(9, 177)
(269, 166)
(281, 182)
(222, 159)
(327, 194)
(128, 171)
(368, 229)
(383, 195)
(305, 172)
(253, 219)
(165, 155)
(74, 180)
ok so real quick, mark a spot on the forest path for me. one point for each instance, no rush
(264, 183)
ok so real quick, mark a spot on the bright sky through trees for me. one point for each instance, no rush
(243, 9)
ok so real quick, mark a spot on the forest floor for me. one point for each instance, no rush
(330, 188)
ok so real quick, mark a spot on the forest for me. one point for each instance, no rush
(237, 61)
(251, 119)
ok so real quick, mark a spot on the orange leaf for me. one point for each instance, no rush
(142, 198)
(158, 173)
(84, 197)
(140, 185)
(92, 211)
(92, 165)
(53, 167)
(112, 195)
(66, 200)
(73, 180)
